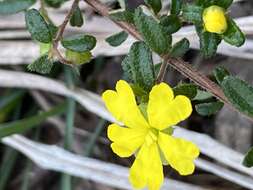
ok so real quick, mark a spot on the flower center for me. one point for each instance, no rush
(151, 136)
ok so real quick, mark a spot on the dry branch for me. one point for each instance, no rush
(57, 159)
(93, 103)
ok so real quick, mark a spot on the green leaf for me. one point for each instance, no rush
(117, 39)
(170, 24)
(79, 43)
(156, 5)
(139, 67)
(23, 125)
(79, 58)
(42, 65)
(180, 48)
(233, 35)
(152, 32)
(55, 3)
(7, 165)
(239, 93)
(189, 90)
(53, 29)
(208, 42)
(14, 6)
(9, 102)
(202, 96)
(176, 6)
(248, 159)
(44, 48)
(124, 16)
(77, 18)
(138, 91)
(220, 73)
(192, 13)
(207, 109)
(37, 26)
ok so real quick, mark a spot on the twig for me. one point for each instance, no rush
(65, 22)
(104, 11)
(178, 64)
(162, 71)
(60, 33)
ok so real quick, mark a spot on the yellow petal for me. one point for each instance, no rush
(122, 105)
(179, 153)
(164, 111)
(214, 19)
(147, 168)
(125, 140)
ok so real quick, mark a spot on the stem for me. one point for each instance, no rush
(181, 66)
(94, 137)
(65, 22)
(60, 33)
(162, 71)
(66, 180)
(9, 157)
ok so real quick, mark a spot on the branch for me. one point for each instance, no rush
(93, 103)
(178, 64)
(60, 33)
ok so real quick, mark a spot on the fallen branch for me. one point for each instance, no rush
(93, 103)
(57, 159)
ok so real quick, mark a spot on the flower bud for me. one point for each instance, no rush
(214, 19)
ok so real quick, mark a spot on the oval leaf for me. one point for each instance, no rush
(117, 39)
(180, 48)
(42, 65)
(192, 13)
(233, 35)
(207, 109)
(220, 73)
(239, 93)
(208, 42)
(77, 18)
(202, 96)
(248, 159)
(152, 32)
(189, 90)
(79, 58)
(138, 66)
(79, 43)
(124, 16)
(37, 26)
(171, 23)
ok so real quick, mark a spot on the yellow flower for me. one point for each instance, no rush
(146, 137)
(214, 19)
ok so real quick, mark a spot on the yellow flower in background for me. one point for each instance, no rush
(214, 19)
(146, 137)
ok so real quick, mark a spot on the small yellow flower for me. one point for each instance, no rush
(147, 137)
(214, 19)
